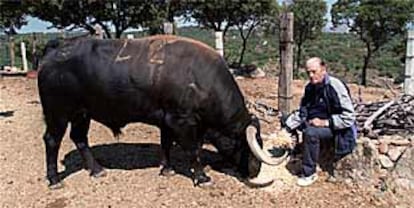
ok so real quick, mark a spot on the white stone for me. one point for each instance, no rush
(395, 153)
(385, 161)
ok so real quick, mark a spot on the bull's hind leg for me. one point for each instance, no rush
(52, 138)
(166, 144)
(79, 135)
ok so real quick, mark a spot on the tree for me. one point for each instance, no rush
(214, 14)
(375, 22)
(66, 14)
(12, 16)
(308, 23)
(248, 15)
(121, 14)
(221, 15)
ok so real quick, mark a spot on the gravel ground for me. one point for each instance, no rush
(132, 164)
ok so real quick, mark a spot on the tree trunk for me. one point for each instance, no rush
(367, 58)
(107, 31)
(242, 52)
(245, 38)
(118, 31)
(298, 59)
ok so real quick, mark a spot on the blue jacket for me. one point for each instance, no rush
(336, 106)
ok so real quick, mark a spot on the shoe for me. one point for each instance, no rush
(307, 181)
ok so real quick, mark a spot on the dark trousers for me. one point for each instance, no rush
(312, 137)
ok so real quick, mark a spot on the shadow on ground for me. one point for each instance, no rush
(131, 156)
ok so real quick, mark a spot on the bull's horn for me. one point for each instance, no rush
(257, 150)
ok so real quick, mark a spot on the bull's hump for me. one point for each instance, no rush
(173, 38)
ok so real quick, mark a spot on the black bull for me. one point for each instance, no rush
(179, 85)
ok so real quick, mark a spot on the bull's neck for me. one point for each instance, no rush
(237, 122)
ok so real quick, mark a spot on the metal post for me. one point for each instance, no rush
(409, 65)
(286, 63)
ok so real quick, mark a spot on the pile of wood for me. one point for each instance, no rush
(386, 117)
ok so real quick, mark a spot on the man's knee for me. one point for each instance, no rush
(310, 135)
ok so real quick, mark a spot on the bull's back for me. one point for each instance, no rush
(120, 81)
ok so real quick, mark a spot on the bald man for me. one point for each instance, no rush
(326, 113)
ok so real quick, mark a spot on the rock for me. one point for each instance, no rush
(402, 176)
(383, 148)
(403, 183)
(385, 161)
(360, 165)
(258, 73)
(395, 152)
(405, 165)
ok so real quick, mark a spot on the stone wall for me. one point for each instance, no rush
(386, 163)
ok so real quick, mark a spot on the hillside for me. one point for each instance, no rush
(343, 52)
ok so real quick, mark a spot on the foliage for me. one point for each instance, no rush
(121, 14)
(244, 15)
(213, 14)
(343, 52)
(250, 15)
(375, 22)
(12, 16)
(308, 23)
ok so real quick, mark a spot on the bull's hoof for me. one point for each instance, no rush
(167, 171)
(203, 181)
(99, 173)
(56, 186)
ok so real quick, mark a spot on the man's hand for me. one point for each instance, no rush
(317, 122)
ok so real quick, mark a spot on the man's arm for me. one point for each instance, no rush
(347, 117)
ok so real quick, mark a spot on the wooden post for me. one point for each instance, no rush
(219, 42)
(409, 65)
(286, 63)
(11, 51)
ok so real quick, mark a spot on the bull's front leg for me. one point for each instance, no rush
(184, 127)
(200, 178)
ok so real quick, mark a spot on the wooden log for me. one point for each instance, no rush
(368, 122)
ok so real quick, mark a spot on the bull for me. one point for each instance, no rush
(180, 85)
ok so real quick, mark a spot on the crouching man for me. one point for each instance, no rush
(326, 113)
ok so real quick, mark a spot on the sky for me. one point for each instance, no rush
(37, 25)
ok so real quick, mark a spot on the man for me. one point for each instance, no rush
(326, 113)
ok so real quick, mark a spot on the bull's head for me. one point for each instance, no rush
(246, 150)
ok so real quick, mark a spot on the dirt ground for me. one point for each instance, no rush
(132, 164)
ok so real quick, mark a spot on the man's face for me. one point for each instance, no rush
(315, 71)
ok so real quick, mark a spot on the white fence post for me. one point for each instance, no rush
(409, 65)
(24, 58)
(219, 42)
(168, 28)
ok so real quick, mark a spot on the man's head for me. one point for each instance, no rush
(316, 70)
